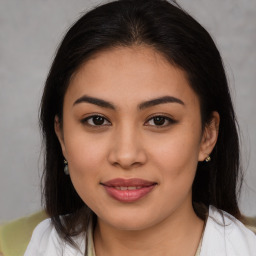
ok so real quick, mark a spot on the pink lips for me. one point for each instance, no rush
(128, 190)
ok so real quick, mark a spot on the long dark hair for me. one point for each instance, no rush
(184, 43)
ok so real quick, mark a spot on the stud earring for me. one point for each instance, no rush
(208, 159)
(66, 171)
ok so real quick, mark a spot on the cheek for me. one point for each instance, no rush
(85, 167)
(177, 151)
(176, 163)
(85, 156)
(176, 158)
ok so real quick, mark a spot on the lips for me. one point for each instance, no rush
(128, 190)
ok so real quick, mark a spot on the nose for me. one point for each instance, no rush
(127, 150)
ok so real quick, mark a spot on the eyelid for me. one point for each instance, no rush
(170, 119)
(85, 120)
(167, 117)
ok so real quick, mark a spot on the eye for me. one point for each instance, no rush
(160, 121)
(96, 120)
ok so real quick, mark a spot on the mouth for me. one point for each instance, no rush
(128, 190)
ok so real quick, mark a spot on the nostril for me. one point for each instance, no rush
(127, 164)
(126, 153)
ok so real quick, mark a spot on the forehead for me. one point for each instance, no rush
(136, 72)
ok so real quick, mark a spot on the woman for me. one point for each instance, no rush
(142, 152)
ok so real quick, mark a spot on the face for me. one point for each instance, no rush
(132, 137)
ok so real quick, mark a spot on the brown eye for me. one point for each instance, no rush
(96, 120)
(160, 121)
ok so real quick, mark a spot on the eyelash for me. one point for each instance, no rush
(169, 121)
(86, 121)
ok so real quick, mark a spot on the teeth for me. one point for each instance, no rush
(132, 188)
(128, 188)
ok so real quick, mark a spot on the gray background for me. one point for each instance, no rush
(29, 33)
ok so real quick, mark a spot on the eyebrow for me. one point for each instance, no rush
(143, 105)
(161, 100)
(95, 101)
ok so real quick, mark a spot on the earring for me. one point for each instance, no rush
(66, 171)
(208, 159)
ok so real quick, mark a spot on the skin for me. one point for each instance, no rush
(130, 144)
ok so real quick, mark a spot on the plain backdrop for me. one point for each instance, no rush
(30, 31)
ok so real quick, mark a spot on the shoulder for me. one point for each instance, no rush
(46, 241)
(225, 235)
(15, 235)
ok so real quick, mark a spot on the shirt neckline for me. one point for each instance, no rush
(91, 249)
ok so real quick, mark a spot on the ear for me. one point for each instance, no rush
(210, 136)
(59, 133)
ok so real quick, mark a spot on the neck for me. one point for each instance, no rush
(179, 234)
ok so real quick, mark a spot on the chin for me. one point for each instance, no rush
(130, 222)
(131, 225)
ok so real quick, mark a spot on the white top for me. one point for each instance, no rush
(223, 236)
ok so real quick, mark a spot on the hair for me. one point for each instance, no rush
(172, 32)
